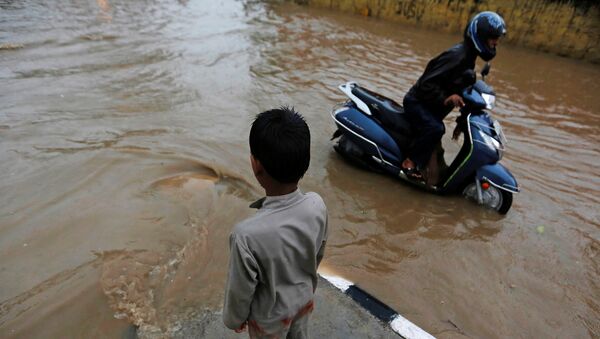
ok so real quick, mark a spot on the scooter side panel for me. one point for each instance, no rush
(482, 154)
(483, 121)
(478, 155)
(364, 127)
(498, 176)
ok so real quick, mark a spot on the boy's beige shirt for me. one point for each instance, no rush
(273, 261)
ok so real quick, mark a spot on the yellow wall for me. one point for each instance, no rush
(559, 28)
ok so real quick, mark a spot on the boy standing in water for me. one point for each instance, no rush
(274, 255)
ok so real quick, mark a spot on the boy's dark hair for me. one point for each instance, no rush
(280, 140)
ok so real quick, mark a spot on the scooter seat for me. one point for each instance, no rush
(377, 101)
(388, 112)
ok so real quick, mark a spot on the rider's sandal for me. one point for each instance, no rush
(413, 174)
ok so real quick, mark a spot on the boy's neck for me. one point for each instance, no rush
(274, 190)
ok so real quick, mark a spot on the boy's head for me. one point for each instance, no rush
(280, 141)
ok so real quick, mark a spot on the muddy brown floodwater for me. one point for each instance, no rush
(124, 165)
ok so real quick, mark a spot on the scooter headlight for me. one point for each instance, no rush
(490, 100)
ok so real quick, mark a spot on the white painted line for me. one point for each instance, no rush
(399, 324)
(408, 330)
(338, 282)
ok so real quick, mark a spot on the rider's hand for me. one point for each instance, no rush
(242, 328)
(455, 99)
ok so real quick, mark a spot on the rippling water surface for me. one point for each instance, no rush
(124, 165)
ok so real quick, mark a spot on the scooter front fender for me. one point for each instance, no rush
(498, 176)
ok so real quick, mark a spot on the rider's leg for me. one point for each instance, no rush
(428, 132)
(435, 166)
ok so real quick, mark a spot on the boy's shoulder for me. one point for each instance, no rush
(311, 203)
(246, 226)
(300, 200)
(315, 199)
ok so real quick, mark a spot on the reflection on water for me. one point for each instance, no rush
(124, 164)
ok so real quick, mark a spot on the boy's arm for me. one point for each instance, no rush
(321, 251)
(241, 283)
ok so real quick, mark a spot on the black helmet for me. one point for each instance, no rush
(484, 26)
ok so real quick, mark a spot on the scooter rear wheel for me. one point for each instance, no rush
(354, 154)
(494, 198)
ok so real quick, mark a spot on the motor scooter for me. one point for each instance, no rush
(374, 132)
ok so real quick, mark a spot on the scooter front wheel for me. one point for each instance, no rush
(493, 197)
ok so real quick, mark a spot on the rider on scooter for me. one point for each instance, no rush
(436, 93)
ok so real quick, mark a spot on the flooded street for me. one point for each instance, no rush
(124, 163)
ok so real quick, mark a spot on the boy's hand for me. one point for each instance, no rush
(242, 328)
(455, 99)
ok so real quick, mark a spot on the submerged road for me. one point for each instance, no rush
(124, 165)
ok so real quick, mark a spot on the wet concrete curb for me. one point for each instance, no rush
(342, 310)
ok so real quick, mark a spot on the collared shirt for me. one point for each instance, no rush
(273, 261)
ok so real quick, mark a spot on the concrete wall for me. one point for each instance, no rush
(562, 27)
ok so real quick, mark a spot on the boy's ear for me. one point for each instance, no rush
(256, 165)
